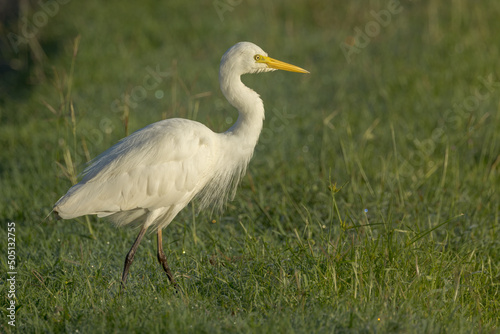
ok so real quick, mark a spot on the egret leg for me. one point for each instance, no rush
(163, 259)
(130, 256)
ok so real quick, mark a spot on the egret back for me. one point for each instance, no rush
(160, 166)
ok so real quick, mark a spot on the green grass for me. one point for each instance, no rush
(371, 204)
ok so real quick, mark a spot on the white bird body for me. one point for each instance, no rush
(157, 168)
(149, 176)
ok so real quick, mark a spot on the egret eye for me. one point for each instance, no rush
(256, 57)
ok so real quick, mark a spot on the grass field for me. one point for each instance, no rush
(371, 204)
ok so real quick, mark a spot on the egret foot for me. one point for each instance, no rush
(130, 256)
(163, 261)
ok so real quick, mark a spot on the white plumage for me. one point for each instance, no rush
(149, 176)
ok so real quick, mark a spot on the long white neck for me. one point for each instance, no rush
(236, 144)
(251, 109)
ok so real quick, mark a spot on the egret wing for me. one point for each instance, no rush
(161, 165)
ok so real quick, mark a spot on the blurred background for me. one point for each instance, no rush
(401, 112)
(114, 68)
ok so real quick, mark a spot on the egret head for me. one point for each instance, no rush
(246, 57)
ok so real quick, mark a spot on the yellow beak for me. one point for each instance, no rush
(280, 65)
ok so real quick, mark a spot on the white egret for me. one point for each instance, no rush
(149, 176)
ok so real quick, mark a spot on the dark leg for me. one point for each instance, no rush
(163, 260)
(130, 256)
